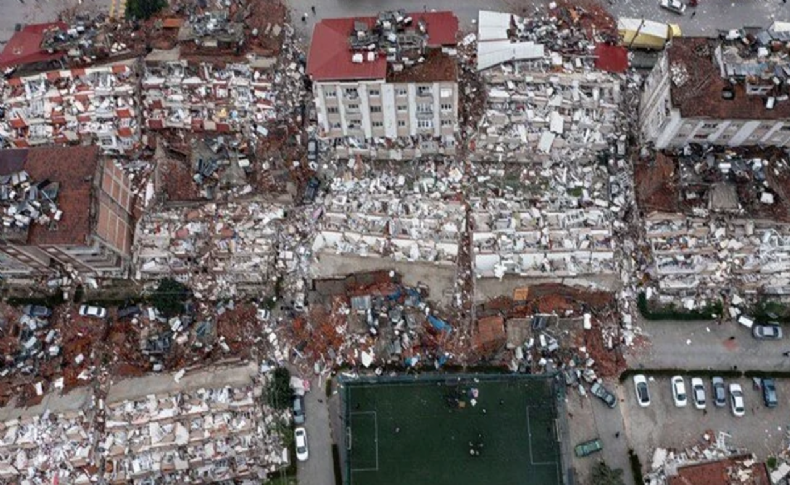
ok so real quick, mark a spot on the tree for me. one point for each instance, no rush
(169, 297)
(144, 9)
(279, 389)
(603, 475)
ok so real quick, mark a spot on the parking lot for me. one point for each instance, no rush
(662, 424)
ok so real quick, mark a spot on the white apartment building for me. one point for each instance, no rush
(388, 80)
(729, 93)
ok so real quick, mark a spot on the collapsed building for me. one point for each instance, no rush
(545, 98)
(198, 431)
(386, 86)
(558, 224)
(217, 249)
(63, 209)
(206, 97)
(730, 92)
(93, 105)
(717, 219)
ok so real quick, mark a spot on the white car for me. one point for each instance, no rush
(675, 6)
(300, 435)
(642, 392)
(736, 400)
(93, 311)
(698, 392)
(679, 392)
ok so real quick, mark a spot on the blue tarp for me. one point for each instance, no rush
(439, 325)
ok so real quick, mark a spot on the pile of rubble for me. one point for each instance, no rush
(204, 97)
(214, 248)
(94, 105)
(390, 216)
(25, 201)
(718, 218)
(550, 221)
(544, 98)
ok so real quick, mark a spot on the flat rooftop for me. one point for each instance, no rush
(697, 86)
(452, 430)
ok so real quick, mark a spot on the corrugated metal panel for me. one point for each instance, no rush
(495, 52)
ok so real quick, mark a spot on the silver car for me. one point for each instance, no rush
(767, 331)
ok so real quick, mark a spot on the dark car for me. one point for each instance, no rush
(129, 312)
(299, 414)
(311, 190)
(767, 331)
(769, 393)
(603, 394)
(719, 392)
(37, 311)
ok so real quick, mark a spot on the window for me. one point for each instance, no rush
(786, 128)
(375, 109)
(335, 126)
(446, 92)
(447, 122)
(330, 92)
(424, 108)
(331, 109)
(402, 107)
(709, 126)
(423, 91)
(351, 91)
(401, 123)
(400, 92)
(377, 124)
(424, 123)
(374, 92)
(447, 107)
(353, 107)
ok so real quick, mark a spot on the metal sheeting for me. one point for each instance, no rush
(492, 25)
(495, 52)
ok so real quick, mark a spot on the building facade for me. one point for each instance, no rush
(367, 90)
(63, 209)
(704, 91)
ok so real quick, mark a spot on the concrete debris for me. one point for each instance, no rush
(217, 249)
(93, 105)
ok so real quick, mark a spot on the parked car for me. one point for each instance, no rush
(300, 435)
(311, 190)
(767, 331)
(298, 408)
(736, 400)
(129, 312)
(603, 393)
(642, 392)
(312, 150)
(38, 311)
(698, 392)
(679, 391)
(588, 448)
(93, 311)
(719, 392)
(675, 6)
(769, 393)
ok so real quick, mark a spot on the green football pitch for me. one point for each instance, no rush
(429, 431)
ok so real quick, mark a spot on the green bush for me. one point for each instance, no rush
(636, 467)
(144, 9)
(710, 312)
(169, 297)
(603, 475)
(279, 391)
(771, 462)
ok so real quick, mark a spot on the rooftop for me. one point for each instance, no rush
(24, 47)
(722, 472)
(72, 169)
(698, 88)
(330, 56)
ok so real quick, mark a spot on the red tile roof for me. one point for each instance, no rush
(24, 47)
(73, 168)
(611, 58)
(330, 53)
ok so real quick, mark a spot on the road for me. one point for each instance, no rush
(703, 345)
(318, 469)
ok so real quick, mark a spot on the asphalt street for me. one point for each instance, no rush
(318, 469)
(707, 345)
